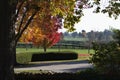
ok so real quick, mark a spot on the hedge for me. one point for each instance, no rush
(63, 76)
(54, 56)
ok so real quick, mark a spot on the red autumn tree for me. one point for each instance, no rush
(45, 37)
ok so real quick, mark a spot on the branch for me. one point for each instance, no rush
(25, 27)
(18, 10)
(21, 22)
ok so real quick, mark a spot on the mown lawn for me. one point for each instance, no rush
(24, 56)
(79, 51)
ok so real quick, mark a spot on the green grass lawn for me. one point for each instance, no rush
(24, 56)
(79, 51)
(75, 39)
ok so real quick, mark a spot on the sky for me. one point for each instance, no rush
(96, 22)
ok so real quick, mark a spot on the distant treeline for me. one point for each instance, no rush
(106, 35)
(78, 40)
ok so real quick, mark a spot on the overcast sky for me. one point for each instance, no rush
(96, 21)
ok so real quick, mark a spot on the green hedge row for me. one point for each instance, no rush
(64, 76)
(54, 56)
(24, 58)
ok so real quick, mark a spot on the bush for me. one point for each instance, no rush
(24, 45)
(44, 76)
(85, 75)
(23, 58)
(54, 56)
(106, 58)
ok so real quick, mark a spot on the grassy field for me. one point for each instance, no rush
(75, 39)
(24, 55)
(79, 51)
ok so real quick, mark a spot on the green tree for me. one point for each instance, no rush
(28, 10)
(106, 58)
(117, 35)
(111, 7)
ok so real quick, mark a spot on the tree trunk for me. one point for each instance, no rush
(14, 53)
(6, 52)
(7, 35)
(44, 45)
(45, 49)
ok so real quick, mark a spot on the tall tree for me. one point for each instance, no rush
(40, 36)
(7, 35)
(50, 9)
(25, 12)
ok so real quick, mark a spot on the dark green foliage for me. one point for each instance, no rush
(117, 35)
(24, 45)
(23, 58)
(44, 76)
(113, 8)
(70, 44)
(106, 58)
(85, 75)
(54, 56)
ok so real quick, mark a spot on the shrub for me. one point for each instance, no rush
(64, 76)
(44, 76)
(23, 58)
(106, 58)
(54, 56)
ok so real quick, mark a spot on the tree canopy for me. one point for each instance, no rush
(112, 7)
(43, 18)
(43, 10)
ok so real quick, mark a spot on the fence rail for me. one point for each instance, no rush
(61, 44)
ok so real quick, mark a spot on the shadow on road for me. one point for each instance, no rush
(48, 63)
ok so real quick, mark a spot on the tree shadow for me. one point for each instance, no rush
(49, 63)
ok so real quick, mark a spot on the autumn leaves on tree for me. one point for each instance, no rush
(39, 20)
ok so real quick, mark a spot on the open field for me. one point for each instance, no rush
(75, 39)
(24, 56)
(79, 51)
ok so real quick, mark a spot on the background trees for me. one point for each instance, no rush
(99, 36)
(106, 58)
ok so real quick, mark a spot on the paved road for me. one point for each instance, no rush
(67, 66)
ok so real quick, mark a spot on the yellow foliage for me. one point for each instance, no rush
(32, 34)
(42, 24)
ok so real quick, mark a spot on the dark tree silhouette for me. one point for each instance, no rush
(7, 35)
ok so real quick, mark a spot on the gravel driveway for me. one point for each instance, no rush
(66, 66)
